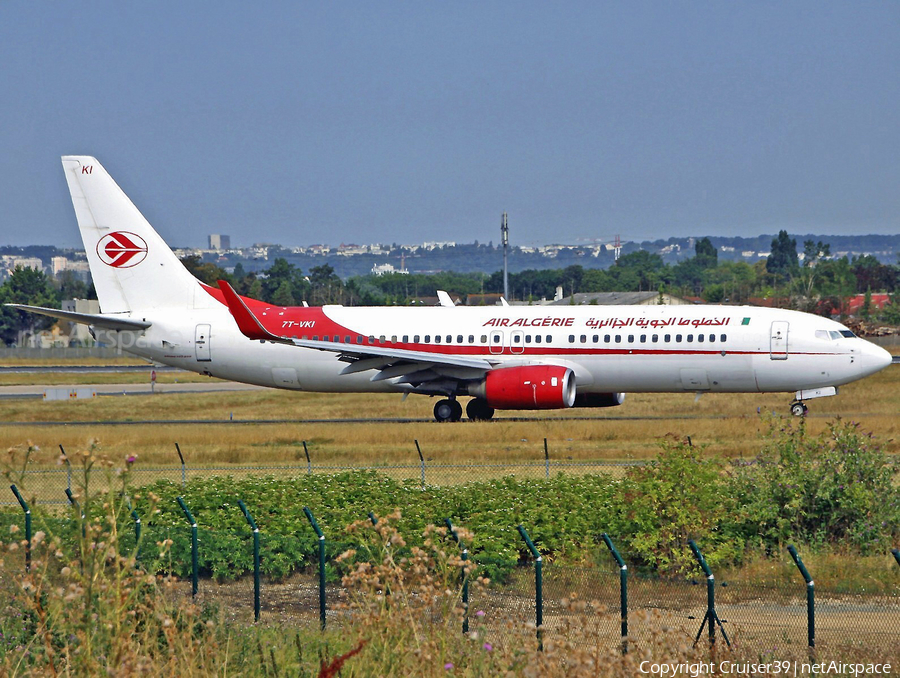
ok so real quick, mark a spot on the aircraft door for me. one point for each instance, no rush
(517, 341)
(495, 341)
(778, 346)
(201, 344)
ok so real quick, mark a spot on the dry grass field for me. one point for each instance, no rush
(724, 424)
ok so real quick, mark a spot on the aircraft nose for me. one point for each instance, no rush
(876, 358)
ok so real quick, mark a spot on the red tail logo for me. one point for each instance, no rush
(122, 249)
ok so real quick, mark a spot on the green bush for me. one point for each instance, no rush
(833, 488)
(677, 497)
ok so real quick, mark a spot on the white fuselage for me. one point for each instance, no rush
(609, 348)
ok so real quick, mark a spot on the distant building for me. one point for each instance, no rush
(622, 299)
(79, 269)
(384, 269)
(219, 242)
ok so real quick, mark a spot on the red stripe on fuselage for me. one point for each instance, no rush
(301, 322)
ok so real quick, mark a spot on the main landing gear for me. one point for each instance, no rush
(449, 409)
(478, 410)
(799, 408)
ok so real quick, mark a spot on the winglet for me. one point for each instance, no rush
(247, 323)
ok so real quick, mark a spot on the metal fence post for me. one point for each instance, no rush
(538, 587)
(546, 460)
(194, 555)
(896, 554)
(68, 467)
(710, 617)
(74, 503)
(421, 463)
(315, 526)
(137, 535)
(464, 578)
(255, 557)
(810, 597)
(27, 511)
(308, 462)
(623, 589)
(183, 468)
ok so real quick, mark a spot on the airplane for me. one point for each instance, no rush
(501, 357)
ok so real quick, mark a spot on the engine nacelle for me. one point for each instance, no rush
(529, 387)
(599, 399)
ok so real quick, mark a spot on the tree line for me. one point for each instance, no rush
(809, 279)
(814, 282)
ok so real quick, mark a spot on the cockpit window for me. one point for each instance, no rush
(847, 333)
(821, 334)
(834, 334)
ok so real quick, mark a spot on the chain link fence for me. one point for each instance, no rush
(768, 617)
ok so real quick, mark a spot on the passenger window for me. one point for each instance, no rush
(678, 338)
(700, 338)
(427, 338)
(315, 337)
(496, 338)
(643, 338)
(359, 339)
(690, 338)
(449, 339)
(537, 338)
(381, 339)
(655, 338)
(712, 338)
(606, 338)
(517, 338)
(667, 338)
(596, 338)
(549, 338)
(571, 338)
(583, 339)
(437, 338)
(722, 338)
(405, 338)
(471, 338)
(459, 339)
(346, 340)
(371, 339)
(527, 338)
(618, 338)
(416, 339)
(630, 338)
(483, 338)
(394, 339)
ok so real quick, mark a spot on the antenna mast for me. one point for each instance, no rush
(504, 237)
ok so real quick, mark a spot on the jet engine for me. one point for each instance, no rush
(529, 387)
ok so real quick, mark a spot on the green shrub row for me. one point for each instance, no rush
(833, 488)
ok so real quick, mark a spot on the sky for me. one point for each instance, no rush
(403, 122)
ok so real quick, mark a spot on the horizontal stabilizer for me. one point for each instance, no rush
(107, 322)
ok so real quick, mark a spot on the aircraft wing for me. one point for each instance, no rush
(106, 322)
(417, 368)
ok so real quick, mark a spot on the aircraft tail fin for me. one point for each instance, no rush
(133, 269)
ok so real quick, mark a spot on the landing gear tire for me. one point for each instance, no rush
(478, 409)
(799, 409)
(447, 410)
